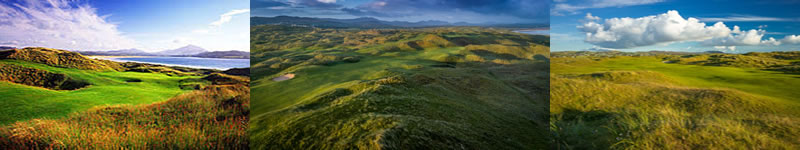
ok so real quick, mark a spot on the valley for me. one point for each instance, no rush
(445, 87)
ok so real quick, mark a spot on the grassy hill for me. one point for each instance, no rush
(673, 101)
(60, 99)
(440, 88)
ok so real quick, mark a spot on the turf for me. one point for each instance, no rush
(622, 101)
(428, 88)
(22, 102)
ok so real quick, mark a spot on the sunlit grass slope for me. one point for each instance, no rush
(215, 117)
(660, 102)
(56, 99)
(440, 88)
(23, 102)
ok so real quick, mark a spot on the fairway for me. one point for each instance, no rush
(766, 83)
(663, 100)
(23, 102)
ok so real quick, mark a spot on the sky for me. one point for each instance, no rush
(471, 11)
(149, 25)
(675, 25)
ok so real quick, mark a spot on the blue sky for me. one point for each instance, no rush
(150, 25)
(648, 25)
(472, 11)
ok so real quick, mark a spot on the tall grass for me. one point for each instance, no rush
(633, 103)
(215, 117)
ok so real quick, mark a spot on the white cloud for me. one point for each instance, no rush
(561, 7)
(650, 30)
(58, 24)
(742, 38)
(226, 17)
(725, 48)
(744, 18)
(791, 39)
(670, 27)
(327, 1)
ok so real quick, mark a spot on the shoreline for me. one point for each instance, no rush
(103, 57)
(117, 59)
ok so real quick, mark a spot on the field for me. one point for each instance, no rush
(440, 88)
(54, 99)
(664, 100)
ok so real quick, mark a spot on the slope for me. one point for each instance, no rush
(375, 89)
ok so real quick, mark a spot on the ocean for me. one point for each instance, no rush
(193, 62)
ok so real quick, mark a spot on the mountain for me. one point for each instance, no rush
(7, 47)
(225, 54)
(122, 52)
(367, 22)
(183, 51)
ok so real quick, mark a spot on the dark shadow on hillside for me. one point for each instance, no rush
(490, 54)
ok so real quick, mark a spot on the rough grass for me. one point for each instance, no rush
(215, 117)
(59, 58)
(643, 103)
(399, 89)
(120, 110)
(39, 78)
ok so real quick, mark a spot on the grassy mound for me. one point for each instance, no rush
(396, 89)
(215, 117)
(26, 101)
(59, 58)
(39, 78)
(622, 102)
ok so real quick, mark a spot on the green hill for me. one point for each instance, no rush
(397, 89)
(56, 99)
(59, 58)
(673, 101)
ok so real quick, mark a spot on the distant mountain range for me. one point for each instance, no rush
(367, 22)
(186, 51)
(6, 47)
(183, 51)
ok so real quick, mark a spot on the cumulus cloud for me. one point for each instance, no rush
(58, 24)
(744, 18)
(791, 39)
(562, 8)
(226, 17)
(668, 28)
(649, 30)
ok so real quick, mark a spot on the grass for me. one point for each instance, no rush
(215, 117)
(624, 102)
(108, 88)
(395, 89)
(160, 108)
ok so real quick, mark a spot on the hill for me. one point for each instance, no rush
(123, 52)
(431, 88)
(187, 50)
(225, 54)
(59, 58)
(673, 100)
(56, 99)
(371, 23)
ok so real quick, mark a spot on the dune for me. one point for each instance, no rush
(283, 77)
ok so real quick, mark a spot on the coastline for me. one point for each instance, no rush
(120, 59)
(105, 57)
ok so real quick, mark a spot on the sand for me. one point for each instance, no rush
(283, 77)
